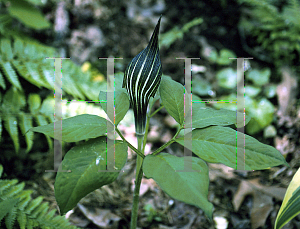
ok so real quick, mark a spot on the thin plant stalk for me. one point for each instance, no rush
(138, 180)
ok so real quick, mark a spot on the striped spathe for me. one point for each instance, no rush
(142, 78)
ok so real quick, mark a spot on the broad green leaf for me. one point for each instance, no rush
(203, 116)
(172, 97)
(11, 126)
(25, 123)
(86, 162)
(121, 104)
(28, 14)
(76, 128)
(218, 144)
(189, 187)
(10, 74)
(291, 203)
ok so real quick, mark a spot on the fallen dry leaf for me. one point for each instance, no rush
(262, 200)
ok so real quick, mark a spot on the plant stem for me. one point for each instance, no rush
(168, 143)
(130, 146)
(135, 204)
(138, 180)
(161, 107)
(139, 160)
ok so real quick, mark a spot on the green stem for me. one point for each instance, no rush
(138, 180)
(139, 160)
(135, 204)
(130, 146)
(161, 107)
(168, 143)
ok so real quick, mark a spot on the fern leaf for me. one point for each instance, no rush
(10, 124)
(6, 50)
(0, 129)
(6, 206)
(25, 123)
(24, 198)
(34, 102)
(13, 101)
(10, 74)
(48, 216)
(14, 190)
(2, 82)
(11, 218)
(36, 78)
(4, 185)
(48, 76)
(33, 204)
(41, 209)
(22, 219)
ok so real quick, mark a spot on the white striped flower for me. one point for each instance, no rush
(142, 78)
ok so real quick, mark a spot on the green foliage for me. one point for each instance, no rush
(88, 164)
(14, 117)
(171, 174)
(210, 141)
(26, 59)
(28, 14)
(121, 104)
(168, 38)
(275, 31)
(76, 128)
(222, 58)
(291, 203)
(171, 96)
(203, 117)
(257, 106)
(218, 144)
(18, 208)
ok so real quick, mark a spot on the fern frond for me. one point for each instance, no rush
(2, 82)
(17, 207)
(6, 206)
(10, 74)
(25, 123)
(22, 219)
(0, 128)
(10, 218)
(11, 125)
(4, 185)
